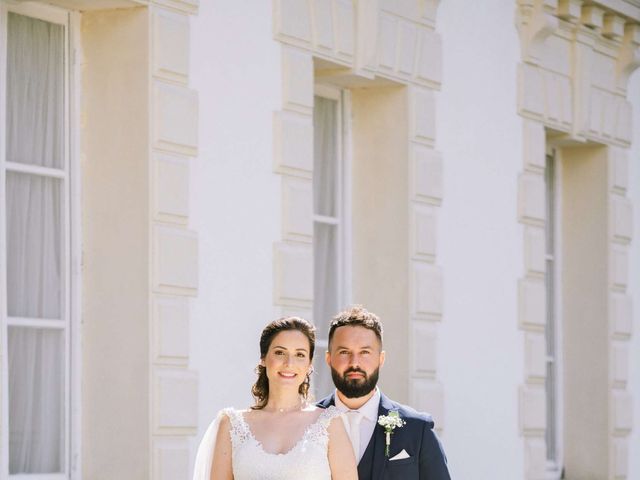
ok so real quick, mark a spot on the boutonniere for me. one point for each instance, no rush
(389, 423)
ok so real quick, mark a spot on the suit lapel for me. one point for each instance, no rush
(379, 458)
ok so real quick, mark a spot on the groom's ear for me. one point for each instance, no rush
(327, 358)
(383, 356)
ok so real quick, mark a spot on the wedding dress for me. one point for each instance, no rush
(307, 459)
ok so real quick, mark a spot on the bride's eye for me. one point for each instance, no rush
(301, 355)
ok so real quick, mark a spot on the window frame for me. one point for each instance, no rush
(344, 208)
(555, 468)
(71, 255)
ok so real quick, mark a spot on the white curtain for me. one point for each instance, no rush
(325, 235)
(35, 126)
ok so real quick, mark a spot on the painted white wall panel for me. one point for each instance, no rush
(480, 135)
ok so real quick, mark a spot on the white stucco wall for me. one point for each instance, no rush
(235, 196)
(479, 239)
(634, 279)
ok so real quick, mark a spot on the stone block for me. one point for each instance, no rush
(535, 350)
(297, 79)
(407, 49)
(535, 458)
(569, 10)
(533, 411)
(618, 169)
(424, 231)
(297, 204)
(293, 20)
(427, 289)
(624, 121)
(620, 447)
(596, 111)
(428, 396)
(429, 67)
(427, 173)
(534, 146)
(175, 118)
(621, 313)
(534, 249)
(293, 273)
(531, 90)
(592, 16)
(170, 45)
(176, 258)
(610, 109)
(171, 191)
(171, 330)
(323, 25)
(387, 42)
(424, 342)
(619, 362)
(175, 399)
(532, 303)
(613, 27)
(171, 458)
(619, 265)
(293, 143)
(422, 116)
(622, 411)
(345, 35)
(621, 218)
(531, 197)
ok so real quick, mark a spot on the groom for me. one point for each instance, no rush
(355, 356)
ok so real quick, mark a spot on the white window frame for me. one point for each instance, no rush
(554, 469)
(344, 211)
(71, 279)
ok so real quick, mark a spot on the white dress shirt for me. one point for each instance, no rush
(369, 412)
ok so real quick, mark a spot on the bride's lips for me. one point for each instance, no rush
(287, 374)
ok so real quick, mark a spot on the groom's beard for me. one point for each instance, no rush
(356, 387)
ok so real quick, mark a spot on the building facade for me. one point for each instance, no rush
(175, 174)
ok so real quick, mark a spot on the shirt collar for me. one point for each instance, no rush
(369, 410)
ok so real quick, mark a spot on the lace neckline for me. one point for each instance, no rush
(302, 438)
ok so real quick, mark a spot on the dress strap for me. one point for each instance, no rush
(327, 415)
(239, 430)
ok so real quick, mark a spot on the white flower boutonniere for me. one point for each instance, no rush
(389, 423)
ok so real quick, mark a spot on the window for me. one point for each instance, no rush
(552, 330)
(330, 223)
(35, 240)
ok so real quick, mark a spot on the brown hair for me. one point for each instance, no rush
(356, 316)
(260, 389)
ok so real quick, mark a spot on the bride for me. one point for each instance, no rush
(281, 436)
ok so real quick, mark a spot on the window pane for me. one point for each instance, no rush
(34, 246)
(35, 91)
(325, 157)
(36, 400)
(326, 275)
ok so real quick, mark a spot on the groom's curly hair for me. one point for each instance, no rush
(356, 316)
(260, 389)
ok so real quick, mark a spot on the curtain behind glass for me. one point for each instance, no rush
(35, 92)
(325, 235)
(35, 135)
(36, 400)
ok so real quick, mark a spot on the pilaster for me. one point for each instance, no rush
(173, 246)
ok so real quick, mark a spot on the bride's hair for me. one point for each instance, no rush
(260, 389)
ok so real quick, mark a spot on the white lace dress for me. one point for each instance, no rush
(307, 459)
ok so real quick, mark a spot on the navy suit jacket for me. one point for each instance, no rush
(427, 460)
